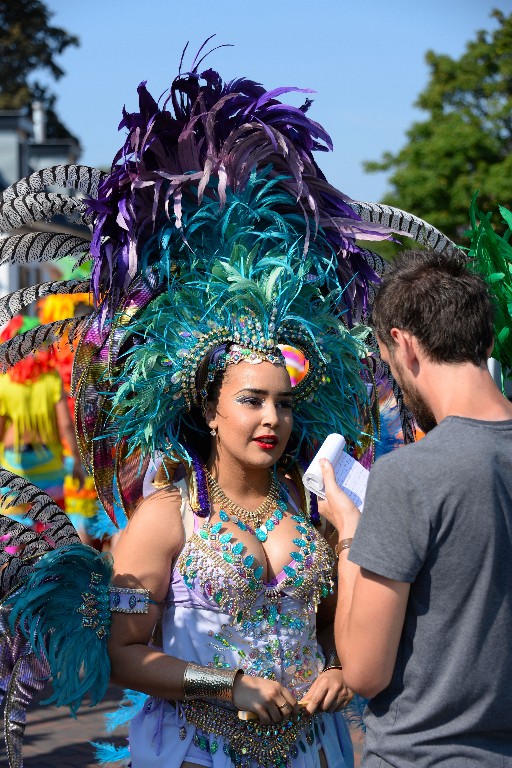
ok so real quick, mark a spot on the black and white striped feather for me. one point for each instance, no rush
(36, 247)
(58, 532)
(41, 206)
(83, 178)
(17, 348)
(407, 224)
(30, 540)
(15, 302)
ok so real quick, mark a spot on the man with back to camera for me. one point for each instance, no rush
(424, 620)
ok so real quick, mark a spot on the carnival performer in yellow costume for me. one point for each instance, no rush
(34, 419)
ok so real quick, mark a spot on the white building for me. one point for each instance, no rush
(24, 149)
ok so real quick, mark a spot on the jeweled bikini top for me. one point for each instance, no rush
(214, 563)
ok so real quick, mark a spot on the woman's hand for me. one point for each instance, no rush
(328, 693)
(268, 699)
(337, 508)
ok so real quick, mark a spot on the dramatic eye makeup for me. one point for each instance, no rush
(257, 397)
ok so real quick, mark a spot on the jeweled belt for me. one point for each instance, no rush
(269, 746)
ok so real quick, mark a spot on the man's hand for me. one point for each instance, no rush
(337, 508)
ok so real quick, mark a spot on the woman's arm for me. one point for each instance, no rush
(143, 558)
(329, 692)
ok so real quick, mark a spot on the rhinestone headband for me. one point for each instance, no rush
(237, 354)
(234, 355)
(248, 341)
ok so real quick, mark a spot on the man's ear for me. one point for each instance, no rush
(407, 345)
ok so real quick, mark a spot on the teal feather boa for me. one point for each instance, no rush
(66, 619)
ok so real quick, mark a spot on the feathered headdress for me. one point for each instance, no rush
(222, 173)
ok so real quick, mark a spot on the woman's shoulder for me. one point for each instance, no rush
(158, 519)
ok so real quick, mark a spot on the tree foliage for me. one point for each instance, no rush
(28, 43)
(465, 145)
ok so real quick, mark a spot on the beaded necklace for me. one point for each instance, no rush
(308, 569)
(302, 558)
(253, 518)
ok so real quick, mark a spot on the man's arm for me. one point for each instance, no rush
(371, 608)
(368, 626)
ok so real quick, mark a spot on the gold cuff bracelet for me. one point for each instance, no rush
(206, 683)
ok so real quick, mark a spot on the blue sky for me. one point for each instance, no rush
(365, 60)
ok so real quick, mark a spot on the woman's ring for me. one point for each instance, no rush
(282, 706)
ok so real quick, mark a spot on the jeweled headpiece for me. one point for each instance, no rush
(260, 351)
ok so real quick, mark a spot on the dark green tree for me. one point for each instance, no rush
(29, 43)
(465, 145)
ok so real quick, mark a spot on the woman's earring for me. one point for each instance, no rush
(213, 432)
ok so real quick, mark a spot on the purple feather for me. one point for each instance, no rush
(214, 133)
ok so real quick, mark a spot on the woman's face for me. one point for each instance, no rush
(253, 415)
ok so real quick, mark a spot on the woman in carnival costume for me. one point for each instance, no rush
(215, 240)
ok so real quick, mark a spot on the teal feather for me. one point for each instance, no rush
(227, 259)
(47, 610)
(101, 526)
(131, 703)
(353, 713)
(147, 394)
(109, 754)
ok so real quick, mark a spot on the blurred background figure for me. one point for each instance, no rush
(35, 420)
(80, 497)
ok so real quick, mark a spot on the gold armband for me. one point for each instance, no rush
(206, 683)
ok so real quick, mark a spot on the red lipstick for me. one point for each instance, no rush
(266, 442)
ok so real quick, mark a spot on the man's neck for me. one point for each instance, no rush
(465, 390)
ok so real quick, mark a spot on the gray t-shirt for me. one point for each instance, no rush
(438, 514)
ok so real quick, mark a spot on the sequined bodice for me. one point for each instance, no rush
(216, 565)
(266, 629)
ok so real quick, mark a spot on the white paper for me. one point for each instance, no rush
(350, 475)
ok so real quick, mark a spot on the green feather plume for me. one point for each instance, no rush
(491, 256)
